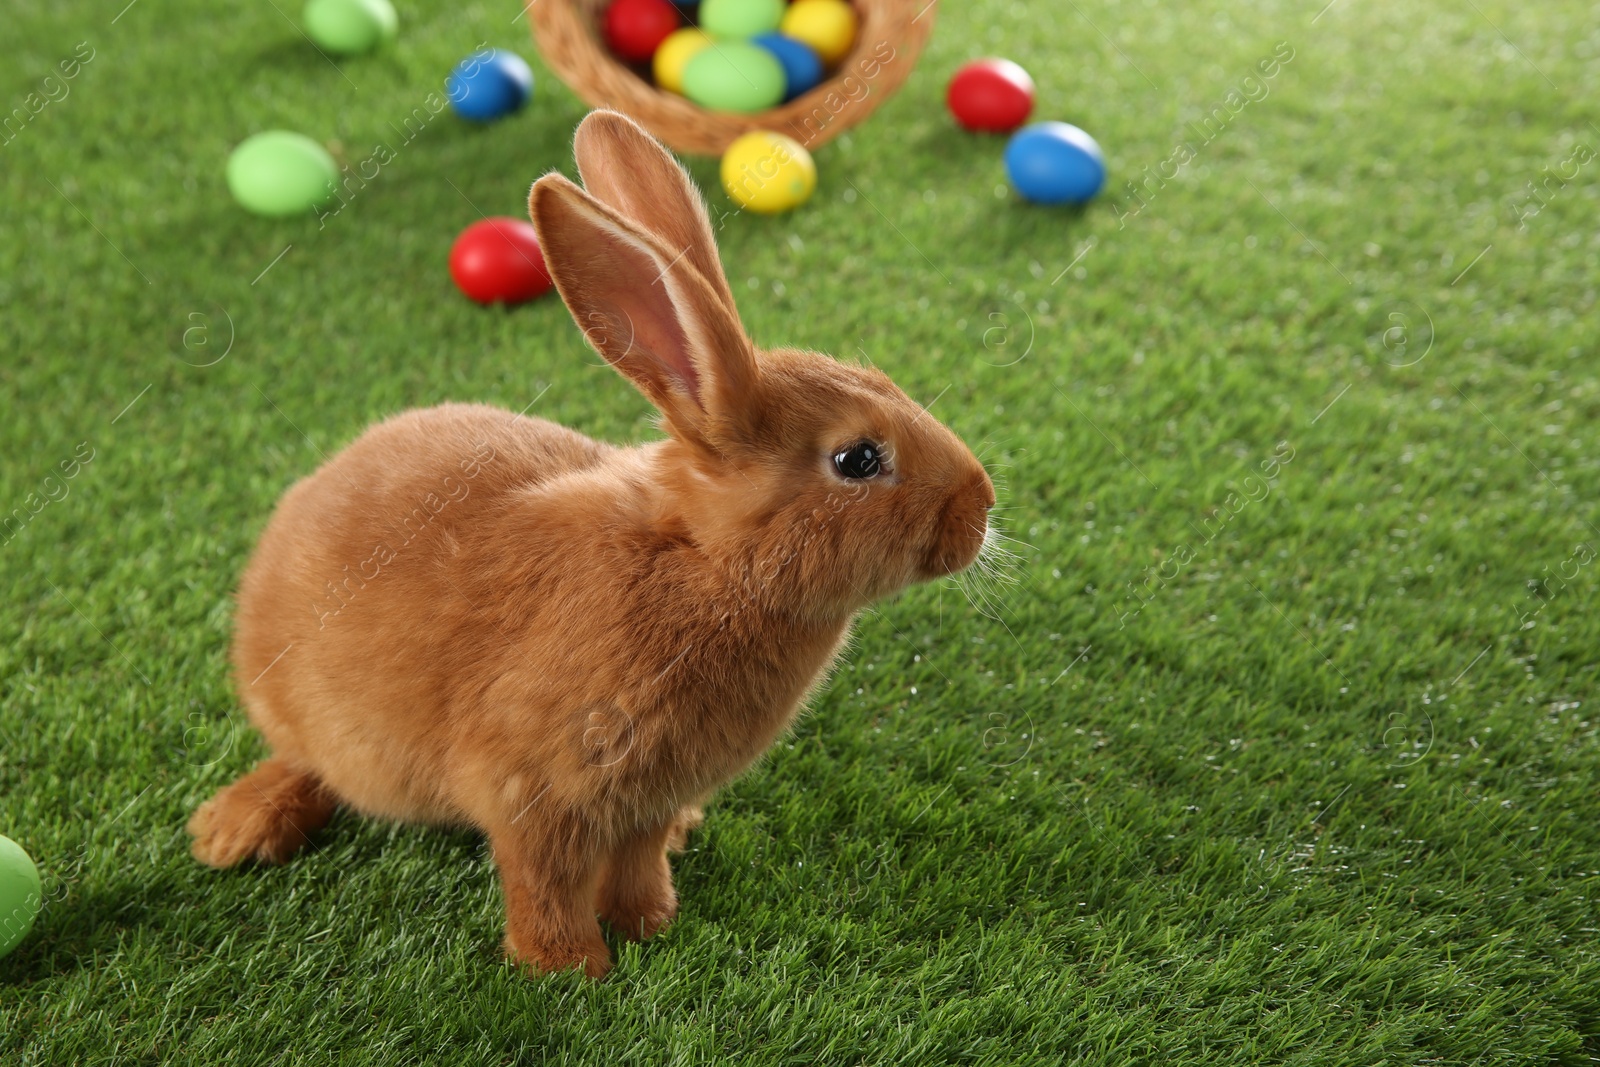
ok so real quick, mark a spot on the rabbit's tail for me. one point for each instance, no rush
(267, 815)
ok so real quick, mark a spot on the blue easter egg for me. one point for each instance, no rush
(802, 67)
(489, 85)
(1055, 163)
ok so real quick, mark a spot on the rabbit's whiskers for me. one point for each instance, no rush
(997, 567)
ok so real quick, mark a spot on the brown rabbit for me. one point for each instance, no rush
(470, 617)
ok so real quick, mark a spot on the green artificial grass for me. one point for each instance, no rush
(1236, 769)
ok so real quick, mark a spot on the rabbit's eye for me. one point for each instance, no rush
(861, 460)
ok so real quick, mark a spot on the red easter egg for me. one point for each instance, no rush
(991, 96)
(635, 28)
(499, 259)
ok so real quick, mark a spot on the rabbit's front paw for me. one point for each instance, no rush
(635, 894)
(268, 815)
(639, 915)
(593, 958)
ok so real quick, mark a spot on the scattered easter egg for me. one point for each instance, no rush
(21, 895)
(489, 85)
(498, 259)
(349, 27)
(674, 55)
(828, 26)
(740, 19)
(1055, 163)
(802, 67)
(634, 29)
(768, 172)
(734, 76)
(990, 96)
(279, 173)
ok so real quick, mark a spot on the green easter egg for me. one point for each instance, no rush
(20, 895)
(281, 173)
(734, 76)
(349, 27)
(739, 19)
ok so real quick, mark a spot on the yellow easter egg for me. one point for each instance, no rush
(768, 172)
(828, 26)
(674, 54)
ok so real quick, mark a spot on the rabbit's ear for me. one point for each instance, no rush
(629, 170)
(649, 314)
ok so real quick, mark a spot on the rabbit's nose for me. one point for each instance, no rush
(985, 489)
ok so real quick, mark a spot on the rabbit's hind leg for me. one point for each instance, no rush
(688, 821)
(268, 815)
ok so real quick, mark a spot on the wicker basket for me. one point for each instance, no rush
(891, 35)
